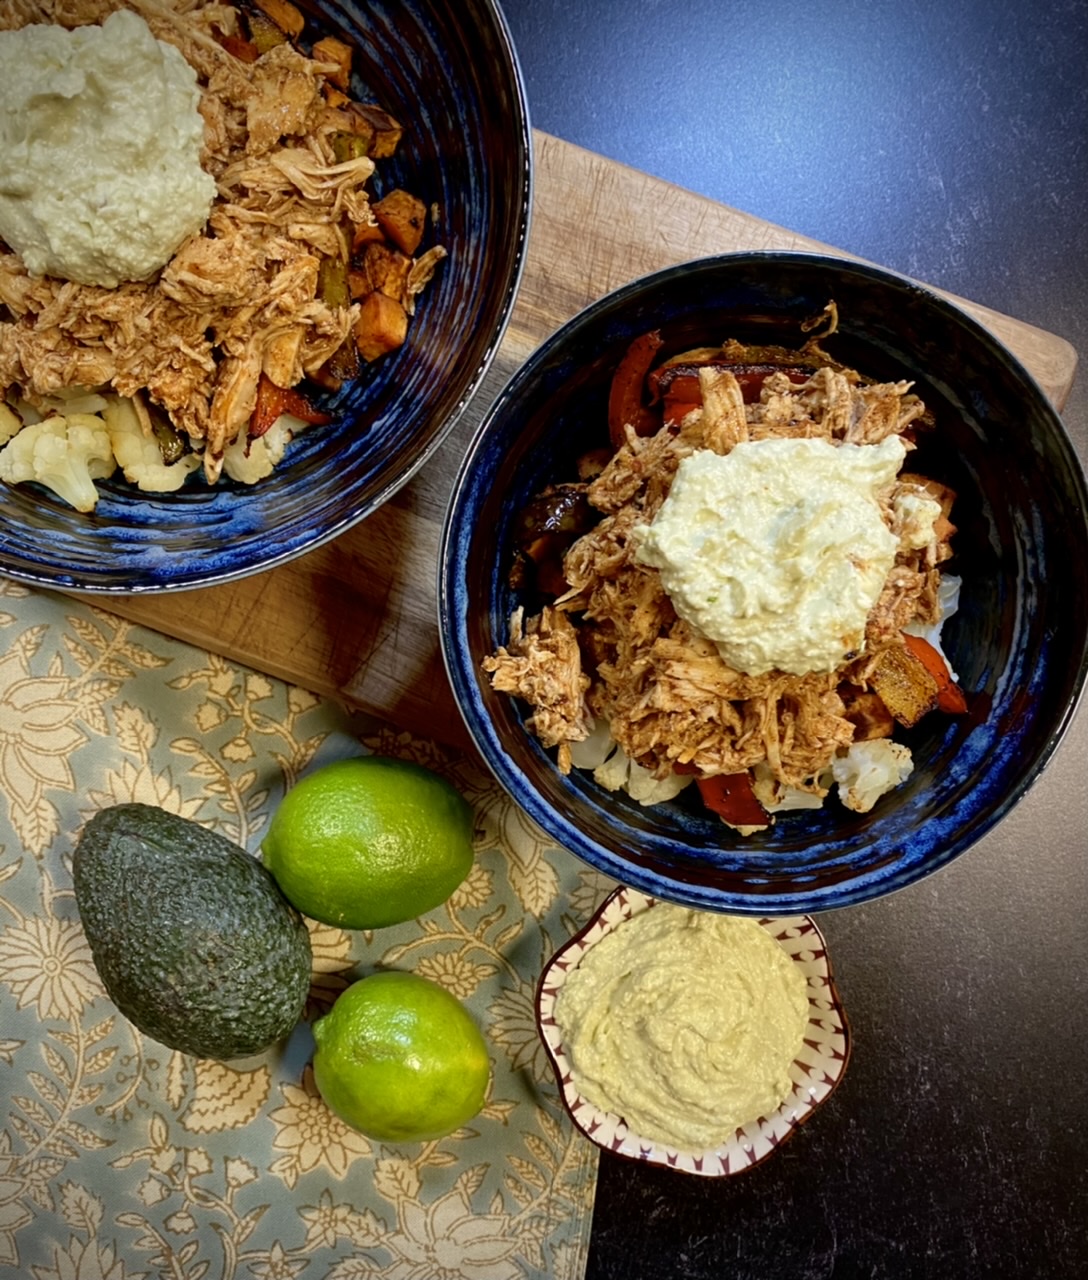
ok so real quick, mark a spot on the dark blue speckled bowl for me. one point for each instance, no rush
(450, 75)
(1018, 643)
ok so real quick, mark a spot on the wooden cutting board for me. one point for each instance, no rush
(357, 619)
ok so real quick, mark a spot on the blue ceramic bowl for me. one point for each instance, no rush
(1018, 642)
(449, 73)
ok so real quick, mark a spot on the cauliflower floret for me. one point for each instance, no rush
(248, 461)
(868, 770)
(617, 772)
(595, 748)
(777, 797)
(65, 454)
(139, 455)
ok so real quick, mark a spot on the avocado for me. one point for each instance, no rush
(191, 936)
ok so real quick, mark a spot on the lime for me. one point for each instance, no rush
(400, 1059)
(369, 841)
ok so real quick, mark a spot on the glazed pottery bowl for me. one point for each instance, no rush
(449, 74)
(814, 1075)
(1017, 642)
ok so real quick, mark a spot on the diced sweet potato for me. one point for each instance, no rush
(403, 217)
(904, 685)
(334, 51)
(365, 233)
(283, 14)
(381, 267)
(381, 327)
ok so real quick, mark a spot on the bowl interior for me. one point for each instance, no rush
(1018, 642)
(814, 1076)
(450, 75)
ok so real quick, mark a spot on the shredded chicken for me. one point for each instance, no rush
(242, 297)
(627, 659)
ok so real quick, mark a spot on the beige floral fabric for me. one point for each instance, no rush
(122, 1159)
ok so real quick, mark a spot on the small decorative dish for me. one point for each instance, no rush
(815, 1072)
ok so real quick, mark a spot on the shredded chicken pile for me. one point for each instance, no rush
(242, 297)
(613, 648)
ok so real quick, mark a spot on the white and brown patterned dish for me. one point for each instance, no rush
(815, 1072)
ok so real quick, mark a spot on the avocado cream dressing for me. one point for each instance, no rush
(778, 550)
(100, 146)
(684, 1023)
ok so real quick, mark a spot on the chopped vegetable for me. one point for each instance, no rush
(381, 327)
(139, 455)
(731, 797)
(337, 53)
(348, 145)
(272, 401)
(332, 282)
(868, 770)
(949, 695)
(283, 14)
(66, 454)
(382, 132)
(904, 684)
(381, 268)
(402, 216)
(625, 407)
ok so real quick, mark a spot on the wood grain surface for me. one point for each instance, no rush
(357, 618)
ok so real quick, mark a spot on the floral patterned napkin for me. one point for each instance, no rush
(122, 1159)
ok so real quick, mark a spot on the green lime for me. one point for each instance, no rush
(369, 841)
(400, 1059)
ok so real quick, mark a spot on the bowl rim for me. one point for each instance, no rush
(59, 578)
(758, 1139)
(520, 786)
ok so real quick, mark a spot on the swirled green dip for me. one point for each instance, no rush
(684, 1023)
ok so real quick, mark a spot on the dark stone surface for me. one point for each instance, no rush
(948, 141)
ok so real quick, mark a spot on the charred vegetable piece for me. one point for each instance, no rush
(681, 381)
(273, 401)
(332, 283)
(402, 216)
(549, 523)
(904, 684)
(625, 397)
(381, 327)
(340, 367)
(172, 445)
(382, 131)
(383, 268)
(560, 508)
(949, 695)
(731, 797)
(348, 145)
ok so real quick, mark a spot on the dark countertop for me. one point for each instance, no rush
(949, 142)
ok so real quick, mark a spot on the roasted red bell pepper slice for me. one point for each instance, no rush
(682, 379)
(273, 400)
(731, 797)
(625, 407)
(949, 696)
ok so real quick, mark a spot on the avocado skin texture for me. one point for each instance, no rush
(191, 936)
